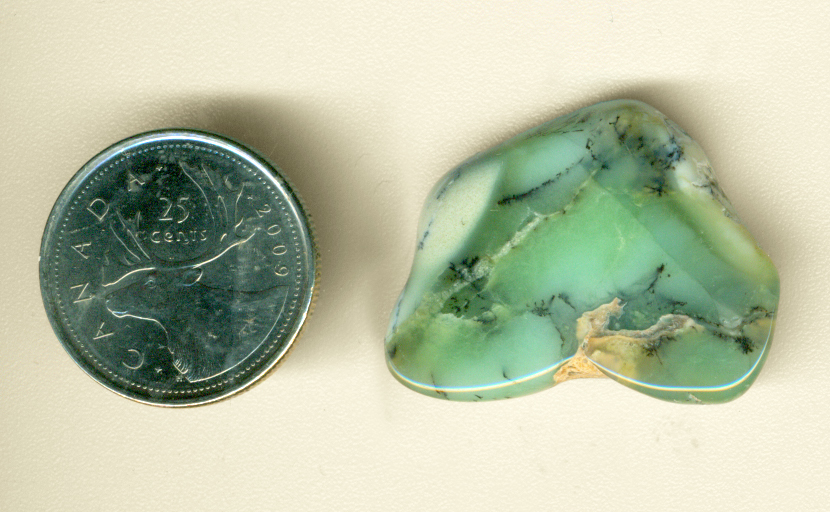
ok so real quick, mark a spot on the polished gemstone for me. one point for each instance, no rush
(597, 244)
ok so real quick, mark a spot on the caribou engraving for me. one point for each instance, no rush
(215, 299)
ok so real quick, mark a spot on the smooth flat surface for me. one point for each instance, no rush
(364, 106)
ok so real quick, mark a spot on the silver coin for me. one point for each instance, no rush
(177, 267)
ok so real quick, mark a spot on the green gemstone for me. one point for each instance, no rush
(597, 242)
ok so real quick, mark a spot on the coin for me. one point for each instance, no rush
(178, 267)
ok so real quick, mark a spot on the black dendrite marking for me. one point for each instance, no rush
(464, 269)
(589, 144)
(651, 347)
(449, 182)
(462, 307)
(561, 337)
(507, 200)
(455, 305)
(675, 305)
(540, 308)
(663, 161)
(437, 388)
(658, 185)
(426, 234)
(657, 275)
(566, 299)
(675, 152)
(471, 300)
(615, 124)
(759, 312)
(745, 345)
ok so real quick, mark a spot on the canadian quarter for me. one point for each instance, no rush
(178, 267)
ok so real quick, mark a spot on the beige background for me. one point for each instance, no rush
(364, 106)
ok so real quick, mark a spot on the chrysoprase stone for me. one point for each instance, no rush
(597, 243)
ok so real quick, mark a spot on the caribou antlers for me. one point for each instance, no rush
(223, 224)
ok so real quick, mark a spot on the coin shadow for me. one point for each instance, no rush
(324, 149)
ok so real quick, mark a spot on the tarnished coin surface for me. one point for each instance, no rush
(177, 267)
